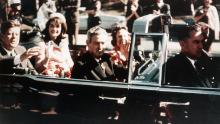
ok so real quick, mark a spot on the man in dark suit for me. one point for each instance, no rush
(12, 55)
(13, 59)
(192, 67)
(95, 64)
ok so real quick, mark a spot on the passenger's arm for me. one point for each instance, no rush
(121, 72)
(64, 46)
(69, 60)
(199, 15)
(79, 70)
(34, 51)
(136, 14)
(217, 25)
(68, 57)
(129, 17)
(41, 60)
(6, 61)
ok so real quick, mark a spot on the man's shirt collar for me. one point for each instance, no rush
(12, 52)
(192, 61)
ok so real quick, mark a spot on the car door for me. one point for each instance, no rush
(148, 89)
(145, 74)
(200, 102)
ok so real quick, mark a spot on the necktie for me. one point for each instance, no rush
(202, 77)
(102, 65)
(12, 53)
(196, 64)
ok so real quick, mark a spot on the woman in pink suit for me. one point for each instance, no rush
(54, 58)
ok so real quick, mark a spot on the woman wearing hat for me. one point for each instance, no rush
(54, 58)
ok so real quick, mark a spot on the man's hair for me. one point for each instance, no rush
(185, 32)
(9, 24)
(97, 30)
(115, 30)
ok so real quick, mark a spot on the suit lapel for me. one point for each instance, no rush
(192, 72)
(108, 70)
(3, 52)
(100, 71)
(190, 66)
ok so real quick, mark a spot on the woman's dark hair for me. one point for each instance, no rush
(115, 30)
(57, 20)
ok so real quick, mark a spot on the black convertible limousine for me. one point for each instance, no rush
(143, 98)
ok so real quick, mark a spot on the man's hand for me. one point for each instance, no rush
(156, 12)
(133, 8)
(34, 51)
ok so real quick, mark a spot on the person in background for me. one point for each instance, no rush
(93, 10)
(71, 14)
(14, 59)
(95, 64)
(48, 7)
(192, 67)
(133, 12)
(208, 15)
(16, 14)
(181, 7)
(4, 7)
(121, 41)
(54, 58)
(157, 8)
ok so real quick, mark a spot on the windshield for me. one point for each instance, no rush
(147, 58)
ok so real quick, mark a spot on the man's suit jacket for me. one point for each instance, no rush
(7, 62)
(86, 67)
(180, 72)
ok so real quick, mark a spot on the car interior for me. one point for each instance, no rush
(146, 60)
